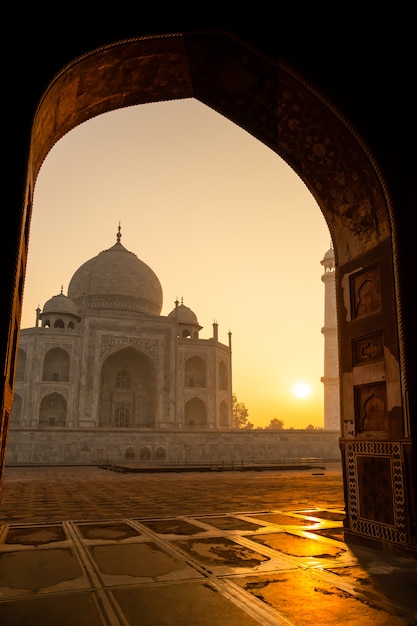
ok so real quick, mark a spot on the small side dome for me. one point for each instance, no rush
(184, 315)
(186, 320)
(329, 255)
(328, 260)
(60, 305)
(59, 312)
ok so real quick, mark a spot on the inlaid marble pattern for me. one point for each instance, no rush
(376, 490)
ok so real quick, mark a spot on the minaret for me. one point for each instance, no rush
(330, 379)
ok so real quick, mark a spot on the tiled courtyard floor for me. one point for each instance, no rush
(82, 546)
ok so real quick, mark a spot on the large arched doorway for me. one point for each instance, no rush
(275, 106)
(127, 391)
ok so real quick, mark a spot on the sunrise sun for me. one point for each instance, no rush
(301, 390)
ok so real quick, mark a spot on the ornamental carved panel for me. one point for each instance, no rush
(376, 494)
(368, 349)
(366, 293)
(149, 346)
(371, 414)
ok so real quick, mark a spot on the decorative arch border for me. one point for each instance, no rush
(264, 98)
(272, 103)
(110, 344)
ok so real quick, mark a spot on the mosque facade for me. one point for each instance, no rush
(103, 377)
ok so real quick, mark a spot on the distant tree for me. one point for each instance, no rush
(240, 414)
(310, 427)
(276, 423)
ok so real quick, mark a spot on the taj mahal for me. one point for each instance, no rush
(104, 377)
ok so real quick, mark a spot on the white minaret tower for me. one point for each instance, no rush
(330, 379)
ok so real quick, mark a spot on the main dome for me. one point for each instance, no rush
(116, 279)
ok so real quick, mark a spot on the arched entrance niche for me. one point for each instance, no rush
(56, 365)
(127, 390)
(292, 119)
(195, 413)
(53, 410)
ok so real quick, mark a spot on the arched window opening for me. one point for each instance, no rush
(123, 380)
(160, 454)
(145, 454)
(21, 365)
(195, 413)
(195, 372)
(224, 414)
(56, 366)
(223, 377)
(53, 410)
(130, 454)
(59, 324)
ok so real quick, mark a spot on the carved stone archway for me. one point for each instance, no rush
(284, 113)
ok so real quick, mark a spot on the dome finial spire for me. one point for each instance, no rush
(119, 234)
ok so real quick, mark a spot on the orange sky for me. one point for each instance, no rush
(221, 219)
